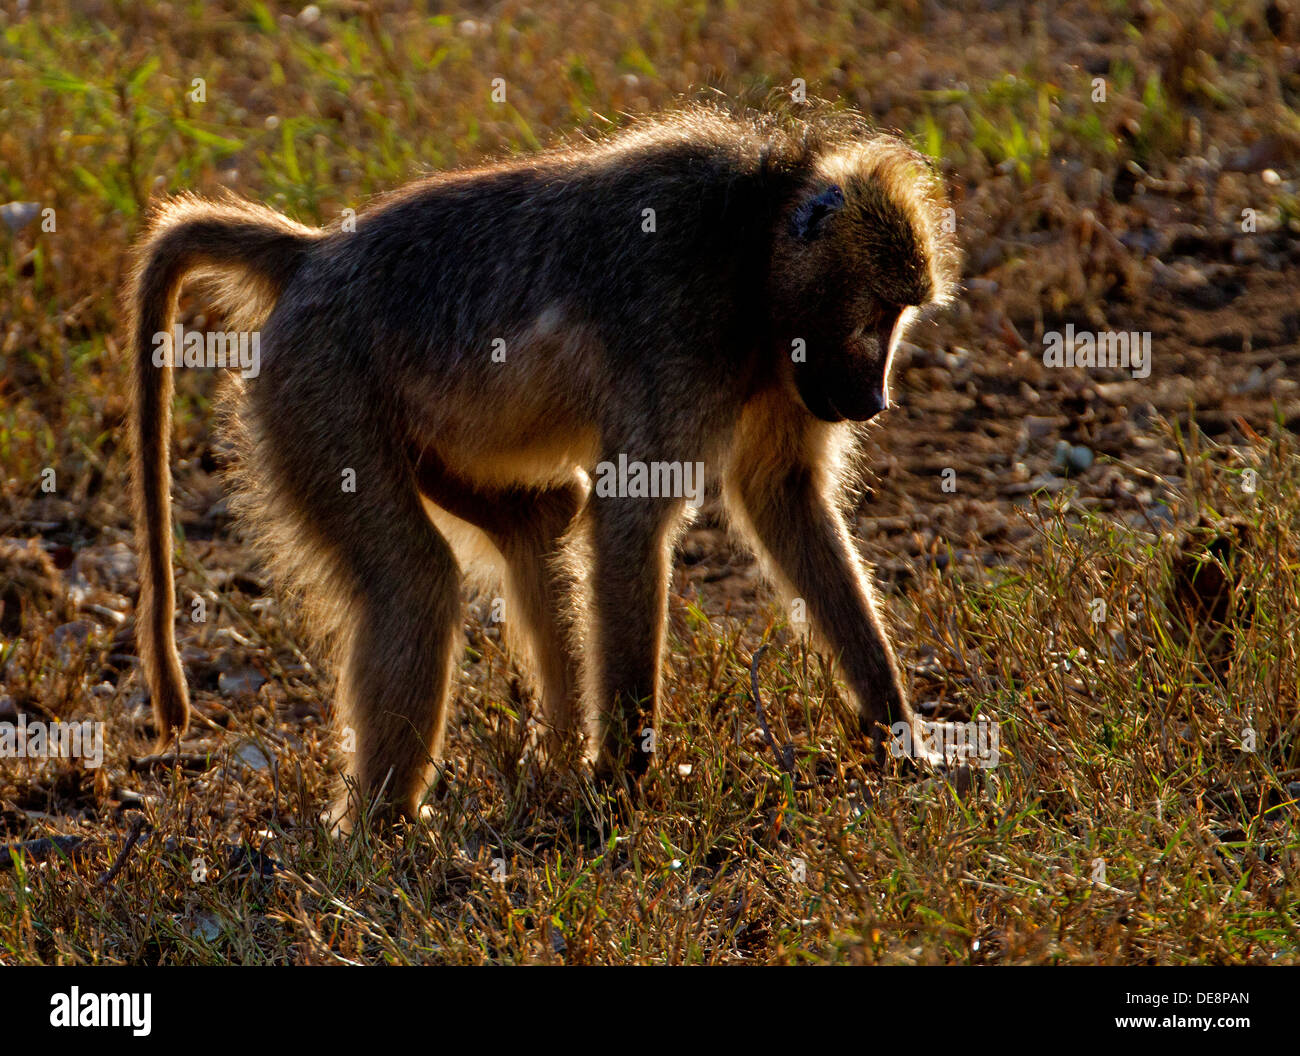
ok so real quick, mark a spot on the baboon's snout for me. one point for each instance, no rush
(865, 393)
(863, 405)
(871, 405)
(852, 383)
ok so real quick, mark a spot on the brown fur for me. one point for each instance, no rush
(670, 346)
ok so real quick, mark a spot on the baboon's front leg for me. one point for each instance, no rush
(631, 541)
(804, 535)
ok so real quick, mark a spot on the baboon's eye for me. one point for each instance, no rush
(812, 213)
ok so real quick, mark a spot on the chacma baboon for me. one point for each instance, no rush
(702, 288)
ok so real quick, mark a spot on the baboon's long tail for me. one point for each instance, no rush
(234, 239)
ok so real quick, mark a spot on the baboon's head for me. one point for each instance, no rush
(861, 248)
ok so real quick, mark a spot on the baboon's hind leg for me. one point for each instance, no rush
(632, 546)
(376, 571)
(528, 527)
(396, 668)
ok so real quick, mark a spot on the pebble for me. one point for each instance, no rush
(1072, 458)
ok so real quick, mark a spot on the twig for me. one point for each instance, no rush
(42, 848)
(139, 826)
(196, 761)
(782, 757)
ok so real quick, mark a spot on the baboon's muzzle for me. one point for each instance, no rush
(852, 386)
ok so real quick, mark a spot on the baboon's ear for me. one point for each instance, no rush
(813, 211)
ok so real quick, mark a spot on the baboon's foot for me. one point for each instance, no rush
(352, 811)
(553, 750)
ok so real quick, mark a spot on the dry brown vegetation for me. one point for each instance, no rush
(1144, 808)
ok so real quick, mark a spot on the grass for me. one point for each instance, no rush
(1125, 822)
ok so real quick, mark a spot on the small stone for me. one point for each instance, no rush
(17, 215)
(240, 681)
(251, 754)
(1070, 459)
(1080, 458)
(70, 640)
(206, 927)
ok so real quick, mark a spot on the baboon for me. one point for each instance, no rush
(704, 287)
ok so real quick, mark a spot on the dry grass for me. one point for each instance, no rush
(1119, 745)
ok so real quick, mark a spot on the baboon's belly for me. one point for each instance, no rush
(509, 446)
(524, 419)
